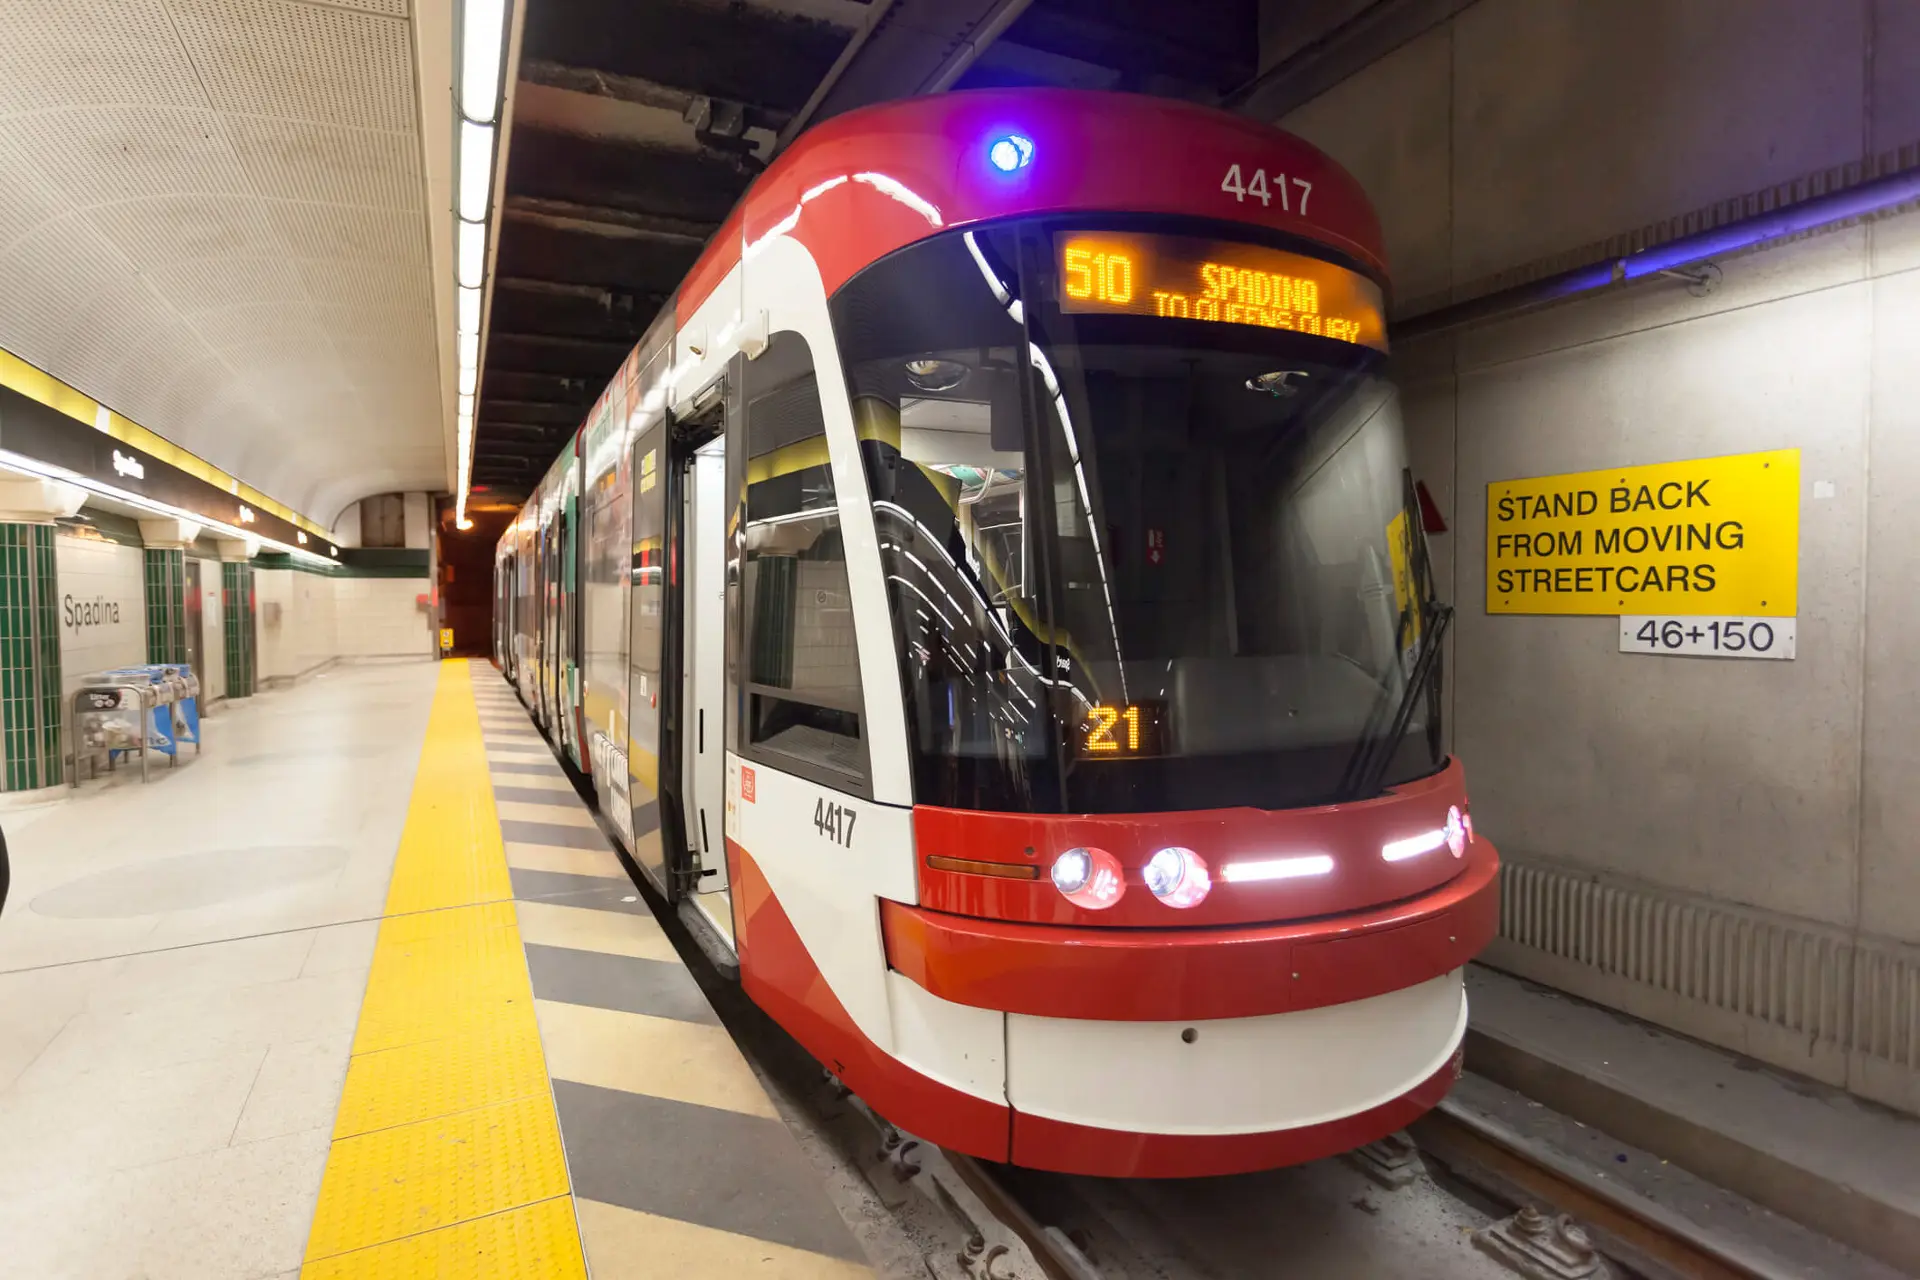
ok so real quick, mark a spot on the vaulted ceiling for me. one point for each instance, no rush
(230, 220)
(213, 219)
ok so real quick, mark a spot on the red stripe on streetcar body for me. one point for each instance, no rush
(1061, 1147)
(1164, 975)
(1353, 835)
(863, 184)
(721, 255)
(781, 978)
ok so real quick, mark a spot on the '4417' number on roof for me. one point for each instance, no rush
(1266, 193)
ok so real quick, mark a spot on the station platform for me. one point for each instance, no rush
(364, 991)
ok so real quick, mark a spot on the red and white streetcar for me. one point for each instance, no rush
(992, 599)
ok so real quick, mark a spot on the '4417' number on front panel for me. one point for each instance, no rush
(834, 821)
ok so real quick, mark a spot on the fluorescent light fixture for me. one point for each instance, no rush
(469, 311)
(471, 254)
(466, 405)
(468, 345)
(476, 169)
(34, 467)
(469, 379)
(483, 25)
(1413, 846)
(1313, 864)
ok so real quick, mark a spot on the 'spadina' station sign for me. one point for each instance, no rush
(1712, 537)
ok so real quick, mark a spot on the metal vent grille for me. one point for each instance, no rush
(1835, 1005)
(212, 218)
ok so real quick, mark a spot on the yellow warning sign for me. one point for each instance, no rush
(1709, 537)
(446, 637)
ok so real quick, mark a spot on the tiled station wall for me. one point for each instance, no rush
(321, 618)
(102, 615)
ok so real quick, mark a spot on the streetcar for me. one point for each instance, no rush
(992, 601)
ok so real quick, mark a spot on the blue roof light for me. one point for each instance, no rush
(1011, 152)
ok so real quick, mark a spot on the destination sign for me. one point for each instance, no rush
(1190, 278)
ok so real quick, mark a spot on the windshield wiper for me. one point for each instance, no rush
(1375, 751)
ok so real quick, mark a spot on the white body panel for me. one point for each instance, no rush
(830, 891)
(956, 1044)
(1240, 1075)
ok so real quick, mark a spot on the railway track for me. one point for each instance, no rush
(1433, 1206)
(1468, 1192)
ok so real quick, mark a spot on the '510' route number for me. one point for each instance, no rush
(834, 821)
(1258, 187)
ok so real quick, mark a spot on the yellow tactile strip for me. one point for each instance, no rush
(446, 1156)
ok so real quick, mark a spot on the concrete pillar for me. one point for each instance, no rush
(239, 622)
(32, 703)
(166, 578)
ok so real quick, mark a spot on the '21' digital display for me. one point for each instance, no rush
(1124, 731)
(1185, 278)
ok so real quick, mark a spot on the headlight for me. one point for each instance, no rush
(1178, 877)
(1089, 878)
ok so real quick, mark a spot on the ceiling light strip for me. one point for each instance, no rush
(480, 77)
(19, 462)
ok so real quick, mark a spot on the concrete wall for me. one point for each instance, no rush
(1525, 136)
(102, 606)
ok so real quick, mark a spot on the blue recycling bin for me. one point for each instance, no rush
(176, 713)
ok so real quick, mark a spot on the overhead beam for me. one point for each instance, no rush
(678, 186)
(533, 413)
(554, 289)
(759, 57)
(514, 382)
(537, 250)
(602, 220)
(637, 90)
(585, 357)
(915, 46)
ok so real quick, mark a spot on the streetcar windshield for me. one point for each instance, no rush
(1144, 512)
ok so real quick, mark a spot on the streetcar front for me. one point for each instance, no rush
(1177, 876)
(1169, 645)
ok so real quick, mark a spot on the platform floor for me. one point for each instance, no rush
(365, 992)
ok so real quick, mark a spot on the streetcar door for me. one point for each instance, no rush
(703, 665)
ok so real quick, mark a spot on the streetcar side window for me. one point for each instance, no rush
(803, 702)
